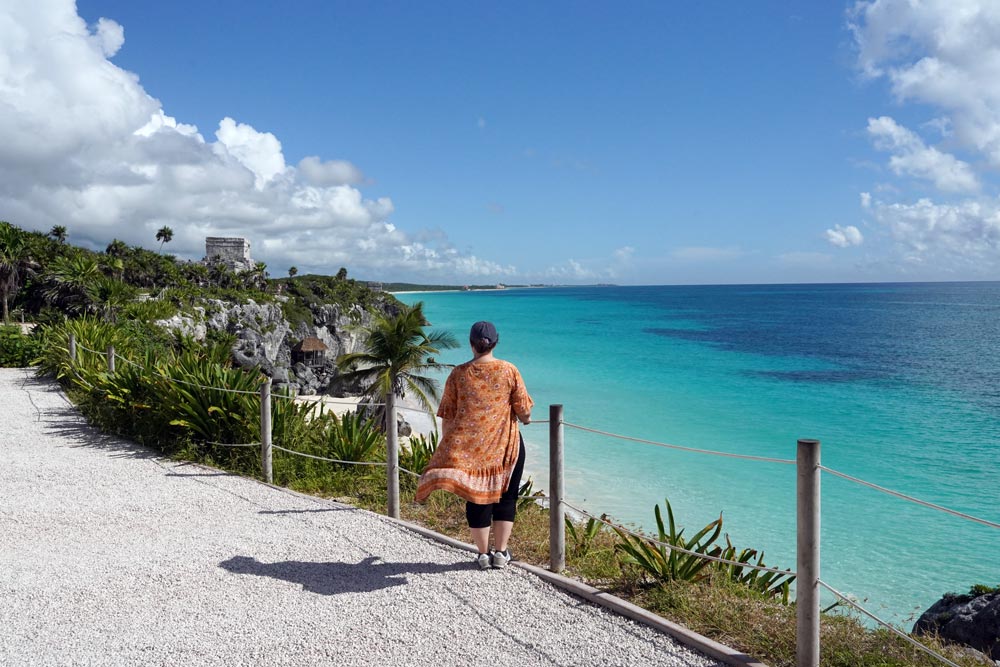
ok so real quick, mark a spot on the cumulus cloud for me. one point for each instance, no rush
(944, 53)
(844, 237)
(866, 200)
(911, 156)
(110, 36)
(331, 172)
(968, 232)
(82, 144)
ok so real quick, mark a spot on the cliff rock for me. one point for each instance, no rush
(264, 340)
(972, 620)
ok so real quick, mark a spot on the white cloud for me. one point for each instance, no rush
(332, 172)
(707, 254)
(82, 144)
(914, 158)
(260, 152)
(570, 270)
(944, 53)
(866, 200)
(844, 237)
(110, 36)
(964, 233)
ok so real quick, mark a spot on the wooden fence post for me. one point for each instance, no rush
(111, 359)
(265, 431)
(392, 455)
(808, 547)
(557, 512)
(72, 348)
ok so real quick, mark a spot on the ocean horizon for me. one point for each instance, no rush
(899, 381)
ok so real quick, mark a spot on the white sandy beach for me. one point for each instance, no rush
(420, 420)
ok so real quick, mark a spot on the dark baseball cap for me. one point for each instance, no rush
(484, 330)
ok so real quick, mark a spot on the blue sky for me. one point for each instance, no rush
(556, 142)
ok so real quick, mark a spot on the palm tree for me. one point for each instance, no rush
(292, 270)
(58, 232)
(116, 248)
(15, 263)
(110, 296)
(71, 283)
(397, 351)
(164, 235)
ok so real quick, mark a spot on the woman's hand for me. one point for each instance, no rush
(525, 418)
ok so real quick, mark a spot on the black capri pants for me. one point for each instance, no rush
(481, 516)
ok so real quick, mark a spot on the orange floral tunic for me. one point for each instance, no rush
(477, 453)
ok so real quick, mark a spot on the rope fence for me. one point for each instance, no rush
(888, 626)
(807, 463)
(229, 444)
(679, 447)
(911, 499)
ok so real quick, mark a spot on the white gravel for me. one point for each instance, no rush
(111, 555)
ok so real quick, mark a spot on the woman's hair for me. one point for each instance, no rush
(483, 336)
(482, 345)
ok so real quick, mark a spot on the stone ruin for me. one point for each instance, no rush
(233, 251)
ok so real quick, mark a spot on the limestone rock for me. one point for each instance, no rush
(972, 620)
(264, 340)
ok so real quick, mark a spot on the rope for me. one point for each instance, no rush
(684, 449)
(129, 361)
(201, 386)
(887, 626)
(323, 458)
(226, 444)
(647, 538)
(911, 499)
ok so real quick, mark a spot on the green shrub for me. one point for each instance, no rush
(18, 350)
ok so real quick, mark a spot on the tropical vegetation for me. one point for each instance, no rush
(398, 356)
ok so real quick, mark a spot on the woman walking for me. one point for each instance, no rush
(481, 454)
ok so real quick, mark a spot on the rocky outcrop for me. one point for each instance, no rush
(972, 620)
(264, 340)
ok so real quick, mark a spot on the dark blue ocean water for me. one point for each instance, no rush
(900, 382)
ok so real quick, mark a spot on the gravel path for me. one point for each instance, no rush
(110, 555)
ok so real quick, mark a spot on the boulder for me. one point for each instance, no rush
(972, 620)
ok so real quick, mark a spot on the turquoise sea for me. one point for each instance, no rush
(900, 383)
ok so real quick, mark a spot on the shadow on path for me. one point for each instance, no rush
(334, 578)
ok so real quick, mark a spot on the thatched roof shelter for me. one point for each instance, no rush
(310, 351)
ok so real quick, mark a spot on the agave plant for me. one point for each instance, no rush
(663, 563)
(583, 539)
(351, 437)
(768, 584)
(213, 402)
(415, 455)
